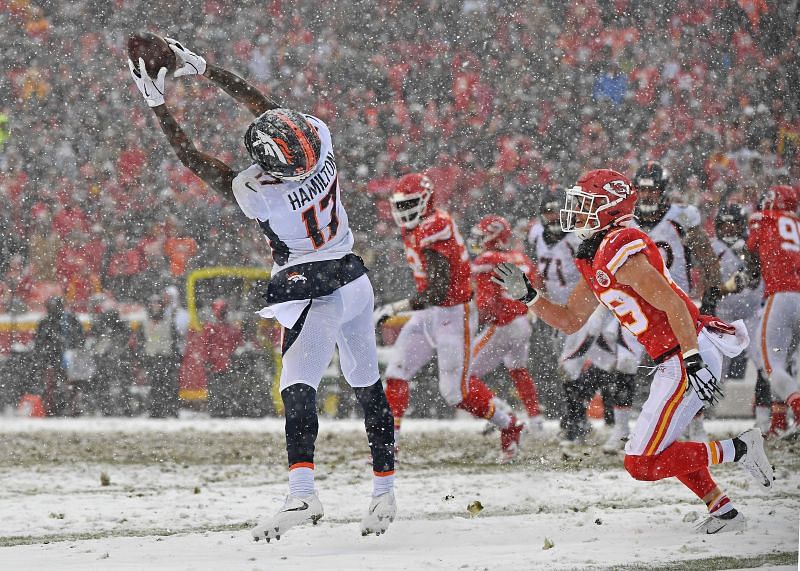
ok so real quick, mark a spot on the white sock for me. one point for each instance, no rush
(382, 484)
(301, 481)
(501, 419)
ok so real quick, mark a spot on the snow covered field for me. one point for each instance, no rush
(182, 494)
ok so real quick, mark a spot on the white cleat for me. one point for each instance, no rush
(381, 512)
(755, 459)
(295, 511)
(713, 524)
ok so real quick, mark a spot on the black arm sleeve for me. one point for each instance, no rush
(438, 281)
(212, 171)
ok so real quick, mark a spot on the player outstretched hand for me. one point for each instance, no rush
(701, 379)
(515, 282)
(388, 310)
(151, 89)
(189, 63)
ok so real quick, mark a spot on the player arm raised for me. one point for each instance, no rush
(567, 317)
(215, 173)
(699, 246)
(235, 86)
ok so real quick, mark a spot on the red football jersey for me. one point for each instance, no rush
(494, 303)
(649, 325)
(775, 239)
(439, 233)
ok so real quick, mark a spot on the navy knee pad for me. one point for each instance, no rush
(379, 422)
(302, 424)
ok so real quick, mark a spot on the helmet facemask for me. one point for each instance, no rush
(408, 210)
(580, 210)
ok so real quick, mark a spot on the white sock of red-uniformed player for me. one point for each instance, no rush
(526, 389)
(480, 402)
(397, 395)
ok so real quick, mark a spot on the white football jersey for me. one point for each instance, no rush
(669, 234)
(303, 221)
(740, 305)
(555, 262)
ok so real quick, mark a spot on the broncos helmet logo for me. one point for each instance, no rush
(274, 147)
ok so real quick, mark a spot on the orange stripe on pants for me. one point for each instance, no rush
(467, 353)
(764, 351)
(666, 416)
(484, 340)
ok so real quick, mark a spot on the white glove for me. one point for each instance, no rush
(516, 282)
(388, 310)
(189, 63)
(152, 90)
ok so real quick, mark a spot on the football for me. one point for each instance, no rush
(153, 49)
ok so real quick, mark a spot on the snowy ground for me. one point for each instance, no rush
(182, 494)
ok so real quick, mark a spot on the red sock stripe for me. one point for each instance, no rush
(384, 474)
(301, 465)
(718, 503)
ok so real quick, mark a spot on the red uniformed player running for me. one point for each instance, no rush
(774, 242)
(444, 316)
(506, 335)
(622, 268)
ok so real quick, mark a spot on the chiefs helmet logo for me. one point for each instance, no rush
(602, 278)
(618, 188)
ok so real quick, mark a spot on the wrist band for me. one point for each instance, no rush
(690, 353)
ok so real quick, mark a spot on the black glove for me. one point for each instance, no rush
(701, 379)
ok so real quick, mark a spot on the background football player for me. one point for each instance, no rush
(676, 230)
(506, 334)
(622, 268)
(774, 242)
(319, 290)
(444, 318)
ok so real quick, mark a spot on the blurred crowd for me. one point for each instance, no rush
(496, 100)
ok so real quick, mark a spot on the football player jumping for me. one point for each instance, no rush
(622, 268)
(506, 337)
(444, 316)
(774, 242)
(319, 291)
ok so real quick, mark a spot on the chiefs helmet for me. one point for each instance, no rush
(652, 176)
(284, 144)
(730, 224)
(601, 198)
(411, 200)
(491, 233)
(780, 197)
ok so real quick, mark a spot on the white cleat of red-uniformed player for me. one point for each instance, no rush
(714, 524)
(295, 511)
(755, 460)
